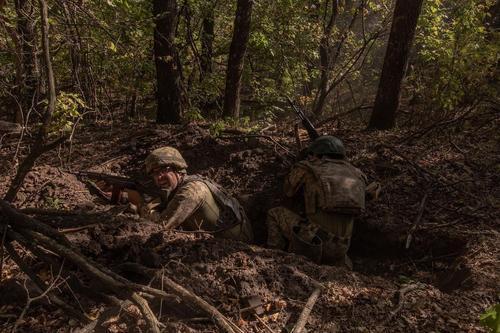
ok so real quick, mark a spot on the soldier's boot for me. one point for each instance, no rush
(310, 248)
(335, 252)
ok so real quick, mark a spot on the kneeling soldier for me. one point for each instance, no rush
(330, 193)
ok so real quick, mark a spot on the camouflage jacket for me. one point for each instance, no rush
(197, 204)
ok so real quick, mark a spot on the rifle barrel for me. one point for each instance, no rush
(311, 131)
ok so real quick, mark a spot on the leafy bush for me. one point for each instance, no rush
(68, 106)
(456, 55)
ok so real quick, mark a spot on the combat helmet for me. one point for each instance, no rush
(163, 157)
(327, 145)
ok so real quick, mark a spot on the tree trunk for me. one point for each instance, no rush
(207, 39)
(168, 79)
(28, 90)
(81, 69)
(493, 20)
(325, 57)
(40, 146)
(237, 51)
(403, 27)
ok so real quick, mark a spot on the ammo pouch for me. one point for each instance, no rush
(312, 250)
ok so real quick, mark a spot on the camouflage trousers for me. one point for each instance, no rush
(336, 242)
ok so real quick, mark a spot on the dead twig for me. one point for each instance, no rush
(267, 137)
(43, 293)
(401, 298)
(186, 295)
(264, 324)
(415, 225)
(304, 315)
(2, 253)
(40, 285)
(77, 229)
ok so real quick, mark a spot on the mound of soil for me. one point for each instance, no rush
(49, 187)
(438, 272)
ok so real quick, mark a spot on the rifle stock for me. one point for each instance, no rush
(118, 183)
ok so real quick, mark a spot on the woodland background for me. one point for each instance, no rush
(327, 54)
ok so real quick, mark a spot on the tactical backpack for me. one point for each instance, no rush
(335, 186)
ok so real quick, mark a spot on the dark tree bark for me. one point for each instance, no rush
(237, 52)
(403, 27)
(40, 146)
(168, 79)
(82, 77)
(29, 85)
(207, 39)
(493, 20)
(325, 57)
(330, 54)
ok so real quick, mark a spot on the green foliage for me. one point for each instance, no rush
(217, 127)
(456, 54)
(193, 114)
(491, 318)
(454, 62)
(243, 123)
(68, 106)
(53, 203)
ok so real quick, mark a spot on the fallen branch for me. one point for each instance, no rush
(187, 296)
(46, 237)
(42, 289)
(304, 315)
(264, 323)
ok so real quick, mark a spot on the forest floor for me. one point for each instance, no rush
(443, 282)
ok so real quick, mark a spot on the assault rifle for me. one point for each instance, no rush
(311, 131)
(118, 183)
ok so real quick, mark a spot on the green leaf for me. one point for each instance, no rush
(112, 46)
(491, 318)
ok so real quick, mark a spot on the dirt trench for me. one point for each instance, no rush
(223, 272)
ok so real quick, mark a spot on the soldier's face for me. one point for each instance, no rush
(166, 178)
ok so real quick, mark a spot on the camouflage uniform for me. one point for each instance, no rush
(196, 204)
(332, 192)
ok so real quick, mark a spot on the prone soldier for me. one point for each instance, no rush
(191, 201)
